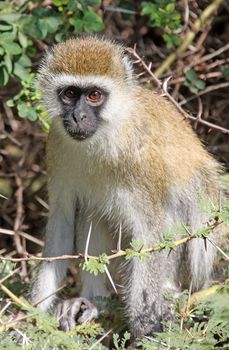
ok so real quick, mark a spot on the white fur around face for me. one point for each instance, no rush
(117, 104)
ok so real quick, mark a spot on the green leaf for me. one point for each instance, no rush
(170, 7)
(92, 22)
(59, 37)
(20, 71)
(103, 258)
(53, 24)
(77, 23)
(187, 83)
(10, 17)
(176, 39)
(12, 48)
(176, 17)
(1, 51)
(93, 266)
(93, 2)
(193, 89)
(22, 110)
(137, 245)
(22, 39)
(148, 9)
(8, 63)
(24, 61)
(200, 84)
(225, 71)
(10, 103)
(5, 27)
(32, 115)
(190, 75)
(4, 76)
(30, 25)
(7, 37)
(43, 25)
(169, 43)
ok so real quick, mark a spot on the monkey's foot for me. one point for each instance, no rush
(72, 311)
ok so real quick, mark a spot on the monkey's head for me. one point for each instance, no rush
(84, 82)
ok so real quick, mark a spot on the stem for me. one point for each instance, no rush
(204, 17)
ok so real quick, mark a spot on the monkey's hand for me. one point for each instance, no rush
(72, 311)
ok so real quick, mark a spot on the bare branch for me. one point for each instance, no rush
(163, 87)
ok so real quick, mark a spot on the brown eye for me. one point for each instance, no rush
(70, 93)
(94, 96)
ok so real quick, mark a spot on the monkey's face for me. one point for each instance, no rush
(81, 108)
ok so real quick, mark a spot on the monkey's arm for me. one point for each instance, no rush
(59, 241)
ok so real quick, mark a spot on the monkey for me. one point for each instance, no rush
(119, 155)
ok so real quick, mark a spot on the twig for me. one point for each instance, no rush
(186, 14)
(204, 17)
(48, 296)
(115, 255)
(23, 234)
(9, 275)
(12, 324)
(200, 111)
(210, 125)
(198, 296)
(210, 56)
(203, 92)
(2, 311)
(19, 215)
(12, 296)
(218, 248)
(163, 88)
(212, 224)
(100, 339)
(144, 65)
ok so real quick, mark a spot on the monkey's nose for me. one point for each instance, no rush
(79, 117)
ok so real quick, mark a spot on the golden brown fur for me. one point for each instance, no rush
(85, 57)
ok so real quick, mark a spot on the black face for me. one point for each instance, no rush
(81, 109)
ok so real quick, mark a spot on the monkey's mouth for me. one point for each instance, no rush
(78, 133)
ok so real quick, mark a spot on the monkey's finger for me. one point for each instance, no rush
(62, 309)
(65, 325)
(89, 315)
(68, 310)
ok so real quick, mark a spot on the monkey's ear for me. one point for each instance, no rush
(128, 67)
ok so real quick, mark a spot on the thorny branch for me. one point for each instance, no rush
(162, 87)
(117, 253)
(190, 35)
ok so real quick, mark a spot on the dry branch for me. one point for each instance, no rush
(163, 88)
(202, 20)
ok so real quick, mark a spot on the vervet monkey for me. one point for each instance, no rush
(119, 154)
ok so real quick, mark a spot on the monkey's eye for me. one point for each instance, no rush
(94, 96)
(70, 92)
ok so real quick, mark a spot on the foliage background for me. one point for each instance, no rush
(199, 82)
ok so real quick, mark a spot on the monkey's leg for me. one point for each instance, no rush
(196, 264)
(82, 309)
(59, 241)
(145, 294)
